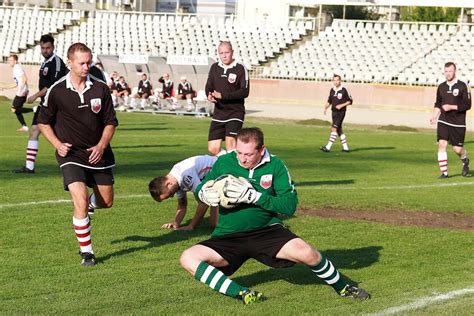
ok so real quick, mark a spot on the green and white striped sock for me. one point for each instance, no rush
(216, 280)
(326, 271)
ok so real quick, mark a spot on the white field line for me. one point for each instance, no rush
(394, 187)
(124, 197)
(424, 301)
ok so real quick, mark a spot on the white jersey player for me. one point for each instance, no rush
(185, 176)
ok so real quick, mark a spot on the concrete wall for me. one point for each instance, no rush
(384, 97)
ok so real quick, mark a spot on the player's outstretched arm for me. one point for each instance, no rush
(200, 212)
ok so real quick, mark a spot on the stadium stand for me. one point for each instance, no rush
(21, 28)
(367, 51)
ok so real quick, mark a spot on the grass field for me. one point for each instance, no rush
(139, 271)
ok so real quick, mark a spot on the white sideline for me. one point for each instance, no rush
(395, 187)
(65, 201)
(424, 301)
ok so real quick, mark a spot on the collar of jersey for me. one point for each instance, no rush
(71, 87)
(232, 65)
(454, 82)
(49, 59)
(337, 89)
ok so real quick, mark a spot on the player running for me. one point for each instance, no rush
(339, 99)
(453, 100)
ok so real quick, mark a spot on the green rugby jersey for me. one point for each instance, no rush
(271, 178)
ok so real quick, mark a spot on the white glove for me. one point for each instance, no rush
(241, 191)
(209, 195)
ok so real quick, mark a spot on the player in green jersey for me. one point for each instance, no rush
(254, 229)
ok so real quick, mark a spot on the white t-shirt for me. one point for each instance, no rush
(18, 72)
(190, 172)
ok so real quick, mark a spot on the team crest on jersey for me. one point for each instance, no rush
(339, 96)
(266, 181)
(232, 78)
(96, 105)
(456, 92)
(45, 71)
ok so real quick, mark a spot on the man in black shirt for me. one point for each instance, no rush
(339, 99)
(186, 92)
(78, 119)
(453, 100)
(227, 87)
(122, 90)
(145, 89)
(167, 92)
(51, 70)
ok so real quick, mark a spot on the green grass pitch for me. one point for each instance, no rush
(139, 270)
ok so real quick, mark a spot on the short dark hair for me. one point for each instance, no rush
(248, 134)
(14, 56)
(449, 64)
(336, 76)
(156, 187)
(47, 38)
(77, 47)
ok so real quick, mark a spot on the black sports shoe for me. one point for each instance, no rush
(91, 208)
(324, 148)
(354, 292)
(465, 168)
(443, 176)
(88, 259)
(23, 170)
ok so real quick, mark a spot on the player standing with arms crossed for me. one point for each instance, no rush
(52, 69)
(227, 86)
(339, 99)
(453, 99)
(78, 119)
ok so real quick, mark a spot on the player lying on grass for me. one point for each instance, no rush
(185, 176)
(253, 228)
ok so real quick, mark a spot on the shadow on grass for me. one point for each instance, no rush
(372, 148)
(171, 237)
(125, 129)
(145, 146)
(327, 182)
(300, 274)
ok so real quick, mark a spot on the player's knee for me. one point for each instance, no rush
(186, 260)
(213, 150)
(108, 203)
(306, 253)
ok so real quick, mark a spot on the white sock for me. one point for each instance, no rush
(125, 100)
(443, 162)
(332, 139)
(31, 152)
(344, 142)
(82, 228)
(114, 100)
(464, 156)
(143, 103)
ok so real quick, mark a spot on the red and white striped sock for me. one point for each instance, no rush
(31, 152)
(82, 228)
(443, 162)
(344, 142)
(332, 139)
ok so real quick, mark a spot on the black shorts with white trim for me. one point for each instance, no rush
(91, 177)
(261, 244)
(453, 134)
(223, 129)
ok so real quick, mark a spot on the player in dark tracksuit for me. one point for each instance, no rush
(339, 99)
(227, 87)
(453, 99)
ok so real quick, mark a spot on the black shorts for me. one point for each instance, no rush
(18, 102)
(91, 177)
(221, 130)
(338, 118)
(260, 244)
(454, 135)
(35, 116)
